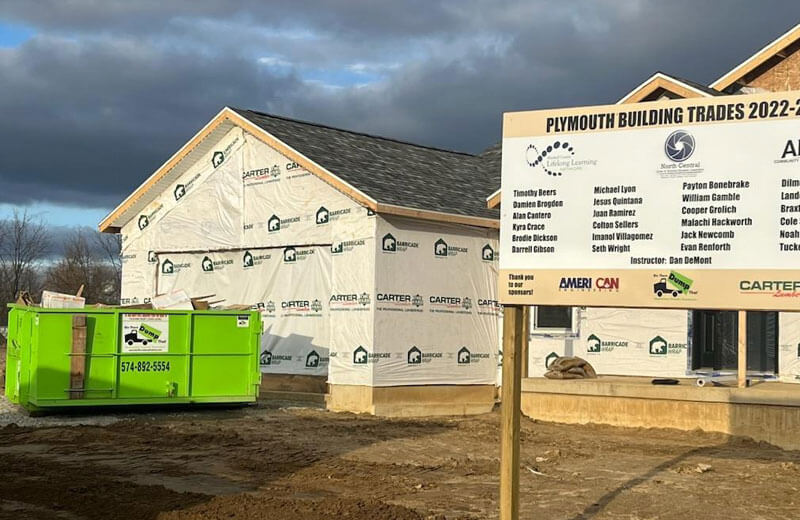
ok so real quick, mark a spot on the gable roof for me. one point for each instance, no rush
(386, 175)
(662, 81)
(771, 50)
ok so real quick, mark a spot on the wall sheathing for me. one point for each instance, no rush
(251, 227)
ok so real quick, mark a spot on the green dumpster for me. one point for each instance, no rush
(58, 358)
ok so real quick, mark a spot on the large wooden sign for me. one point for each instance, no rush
(672, 204)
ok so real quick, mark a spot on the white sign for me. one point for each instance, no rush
(682, 203)
(145, 333)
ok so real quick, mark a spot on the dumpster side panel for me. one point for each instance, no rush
(50, 355)
(100, 359)
(13, 367)
(223, 356)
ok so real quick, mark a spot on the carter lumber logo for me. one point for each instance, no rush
(399, 302)
(451, 304)
(349, 302)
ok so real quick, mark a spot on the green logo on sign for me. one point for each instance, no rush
(680, 281)
(149, 332)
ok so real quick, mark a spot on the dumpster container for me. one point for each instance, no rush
(59, 358)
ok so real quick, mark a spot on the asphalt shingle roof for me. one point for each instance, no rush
(392, 171)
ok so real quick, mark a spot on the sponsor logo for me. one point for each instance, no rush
(595, 345)
(441, 249)
(360, 356)
(268, 358)
(674, 285)
(791, 152)
(262, 175)
(217, 158)
(399, 302)
(322, 215)
(415, 356)
(301, 307)
(679, 146)
(549, 359)
(390, 244)
(775, 288)
(450, 304)
(487, 253)
(346, 246)
(658, 346)
(578, 283)
(312, 359)
(489, 307)
(349, 302)
(179, 192)
(555, 158)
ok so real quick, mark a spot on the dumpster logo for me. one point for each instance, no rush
(167, 267)
(360, 356)
(207, 265)
(593, 344)
(679, 146)
(658, 346)
(274, 224)
(673, 285)
(549, 359)
(464, 356)
(322, 215)
(289, 255)
(414, 356)
(145, 333)
(487, 253)
(312, 359)
(180, 191)
(143, 222)
(217, 159)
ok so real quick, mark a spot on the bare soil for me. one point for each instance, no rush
(292, 464)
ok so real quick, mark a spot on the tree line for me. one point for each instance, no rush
(34, 257)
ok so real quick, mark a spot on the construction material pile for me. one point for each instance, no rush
(570, 368)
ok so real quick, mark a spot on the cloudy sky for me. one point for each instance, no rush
(96, 94)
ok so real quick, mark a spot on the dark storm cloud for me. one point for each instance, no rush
(106, 91)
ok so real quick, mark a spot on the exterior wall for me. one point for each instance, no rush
(618, 342)
(782, 77)
(436, 310)
(251, 227)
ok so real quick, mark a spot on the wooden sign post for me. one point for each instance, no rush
(741, 365)
(513, 340)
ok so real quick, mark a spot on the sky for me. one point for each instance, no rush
(96, 94)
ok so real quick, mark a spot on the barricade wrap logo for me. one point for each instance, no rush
(659, 346)
(292, 255)
(361, 356)
(315, 360)
(415, 356)
(251, 260)
(390, 244)
(346, 246)
(466, 357)
(441, 249)
(596, 345)
(268, 358)
(487, 253)
(169, 267)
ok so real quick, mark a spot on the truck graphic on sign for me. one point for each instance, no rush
(144, 334)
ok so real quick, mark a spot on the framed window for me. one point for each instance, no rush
(553, 318)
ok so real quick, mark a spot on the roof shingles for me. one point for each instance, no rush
(391, 171)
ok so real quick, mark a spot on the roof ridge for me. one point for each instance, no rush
(373, 136)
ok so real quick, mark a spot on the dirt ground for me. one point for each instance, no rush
(290, 464)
